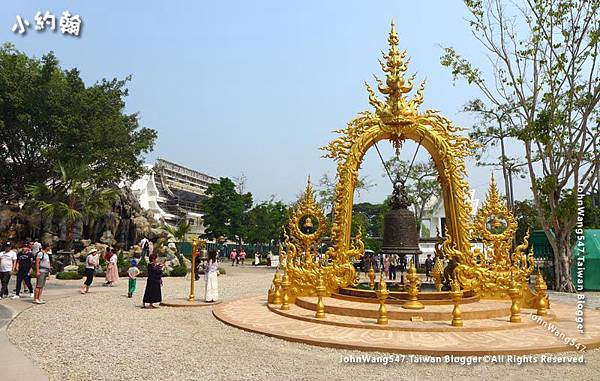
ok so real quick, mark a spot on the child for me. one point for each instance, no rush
(133, 272)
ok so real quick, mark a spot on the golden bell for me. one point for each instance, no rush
(308, 223)
(496, 223)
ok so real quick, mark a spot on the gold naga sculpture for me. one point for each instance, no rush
(396, 118)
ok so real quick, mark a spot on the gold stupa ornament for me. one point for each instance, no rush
(492, 274)
(300, 259)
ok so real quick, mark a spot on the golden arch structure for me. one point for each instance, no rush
(396, 118)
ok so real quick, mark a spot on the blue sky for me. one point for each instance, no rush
(258, 86)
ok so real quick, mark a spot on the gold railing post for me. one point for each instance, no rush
(456, 294)
(191, 296)
(540, 288)
(320, 312)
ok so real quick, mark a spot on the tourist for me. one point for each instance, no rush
(386, 265)
(269, 258)
(132, 272)
(152, 294)
(112, 269)
(23, 269)
(256, 258)
(233, 257)
(92, 262)
(197, 264)
(393, 266)
(36, 246)
(428, 268)
(242, 256)
(402, 266)
(145, 245)
(211, 284)
(8, 261)
(42, 270)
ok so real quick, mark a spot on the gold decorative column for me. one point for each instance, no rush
(412, 278)
(320, 312)
(191, 296)
(540, 288)
(285, 299)
(515, 295)
(371, 278)
(456, 294)
(382, 294)
(438, 273)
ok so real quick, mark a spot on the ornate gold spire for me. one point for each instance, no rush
(395, 108)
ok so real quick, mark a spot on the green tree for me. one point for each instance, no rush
(225, 211)
(48, 115)
(373, 213)
(543, 56)
(265, 222)
(526, 216)
(326, 190)
(493, 130)
(69, 197)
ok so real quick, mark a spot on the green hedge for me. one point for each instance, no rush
(68, 275)
(179, 271)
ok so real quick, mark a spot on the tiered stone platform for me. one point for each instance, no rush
(352, 325)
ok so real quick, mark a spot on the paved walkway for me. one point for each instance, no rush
(15, 364)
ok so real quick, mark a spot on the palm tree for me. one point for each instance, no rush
(179, 232)
(69, 197)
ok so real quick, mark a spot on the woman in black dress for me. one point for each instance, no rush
(152, 293)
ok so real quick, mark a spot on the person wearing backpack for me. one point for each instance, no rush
(25, 260)
(42, 271)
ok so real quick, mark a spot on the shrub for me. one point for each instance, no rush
(68, 275)
(221, 270)
(122, 264)
(179, 271)
(143, 265)
(81, 269)
(102, 261)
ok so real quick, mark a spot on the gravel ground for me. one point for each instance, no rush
(106, 336)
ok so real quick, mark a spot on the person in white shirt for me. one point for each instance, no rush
(36, 246)
(8, 261)
(91, 264)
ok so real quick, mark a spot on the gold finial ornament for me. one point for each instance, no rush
(456, 294)
(438, 273)
(413, 281)
(540, 288)
(515, 295)
(320, 311)
(285, 299)
(371, 274)
(275, 294)
(382, 294)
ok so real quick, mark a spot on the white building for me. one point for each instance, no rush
(173, 193)
(434, 221)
